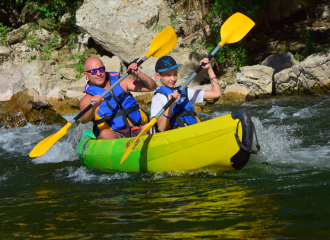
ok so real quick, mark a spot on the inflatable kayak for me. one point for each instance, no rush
(220, 144)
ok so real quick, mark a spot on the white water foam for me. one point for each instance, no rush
(65, 148)
(3, 177)
(82, 174)
(275, 141)
(306, 112)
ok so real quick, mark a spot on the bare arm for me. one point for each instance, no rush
(216, 90)
(144, 84)
(164, 122)
(85, 101)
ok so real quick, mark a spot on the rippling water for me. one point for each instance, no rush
(283, 192)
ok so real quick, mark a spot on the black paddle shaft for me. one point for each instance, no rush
(184, 86)
(107, 91)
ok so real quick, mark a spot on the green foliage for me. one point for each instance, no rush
(298, 57)
(31, 57)
(3, 33)
(158, 28)
(239, 55)
(262, 37)
(47, 49)
(32, 39)
(79, 67)
(25, 33)
(173, 22)
(71, 43)
(308, 37)
(255, 9)
(51, 11)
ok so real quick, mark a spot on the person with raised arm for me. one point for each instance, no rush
(117, 115)
(182, 112)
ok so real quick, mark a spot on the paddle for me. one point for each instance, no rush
(233, 30)
(160, 45)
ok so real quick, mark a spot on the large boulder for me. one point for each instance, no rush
(11, 80)
(43, 76)
(124, 28)
(235, 94)
(130, 39)
(257, 78)
(27, 107)
(280, 61)
(310, 76)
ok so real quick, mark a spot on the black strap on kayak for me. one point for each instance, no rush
(242, 145)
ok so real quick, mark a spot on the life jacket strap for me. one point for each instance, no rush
(124, 113)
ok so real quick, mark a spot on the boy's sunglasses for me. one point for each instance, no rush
(94, 71)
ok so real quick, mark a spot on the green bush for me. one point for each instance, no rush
(308, 37)
(52, 10)
(3, 34)
(79, 67)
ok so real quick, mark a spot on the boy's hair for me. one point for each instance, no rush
(165, 63)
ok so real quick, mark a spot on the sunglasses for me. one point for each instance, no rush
(94, 71)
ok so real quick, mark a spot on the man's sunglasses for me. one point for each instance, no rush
(94, 71)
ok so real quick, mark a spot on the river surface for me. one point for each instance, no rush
(282, 193)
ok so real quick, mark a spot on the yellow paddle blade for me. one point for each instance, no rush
(146, 129)
(235, 28)
(42, 147)
(163, 43)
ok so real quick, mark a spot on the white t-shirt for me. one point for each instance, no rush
(159, 100)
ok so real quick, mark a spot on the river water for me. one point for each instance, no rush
(282, 193)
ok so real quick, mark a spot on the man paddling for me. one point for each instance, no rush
(182, 112)
(116, 115)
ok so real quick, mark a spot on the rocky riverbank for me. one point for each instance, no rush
(39, 64)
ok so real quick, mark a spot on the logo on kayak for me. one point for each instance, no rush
(130, 141)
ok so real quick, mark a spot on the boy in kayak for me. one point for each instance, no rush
(116, 115)
(182, 112)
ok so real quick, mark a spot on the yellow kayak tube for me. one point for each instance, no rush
(220, 144)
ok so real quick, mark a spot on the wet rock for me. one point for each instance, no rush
(257, 78)
(28, 107)
(235, 94)
(202, 108)
(65, 106)
(143, 99)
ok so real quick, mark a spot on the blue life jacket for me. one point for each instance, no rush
(116, 108)
(183, 112)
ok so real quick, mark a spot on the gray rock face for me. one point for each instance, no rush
(5, 53)
(311, 75)
(41, 76)
(280, 62)
(323, 13)
(16, 35)
(257, 78)
(122, 27)
(128, 35)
